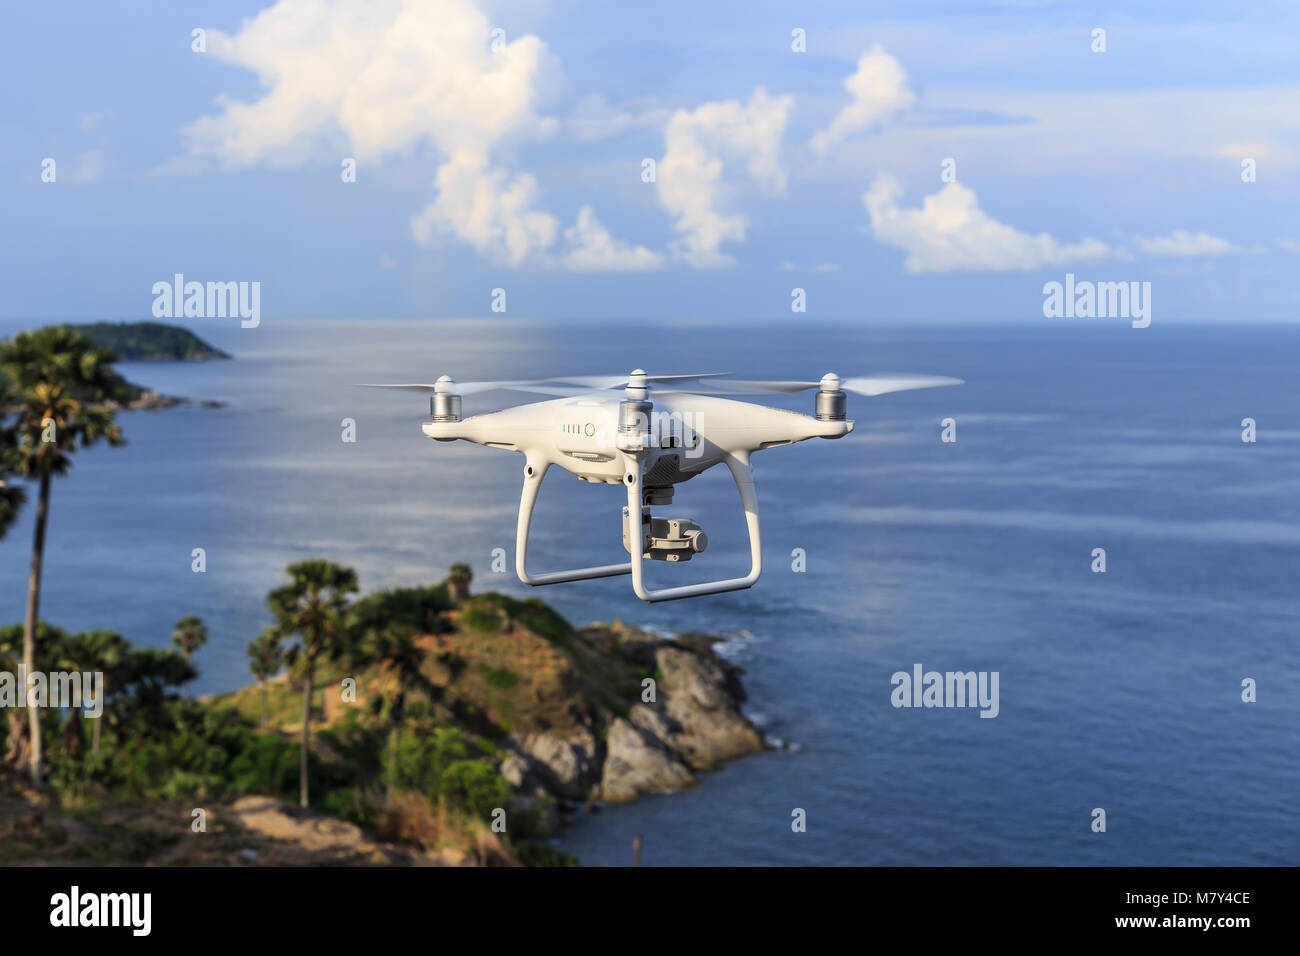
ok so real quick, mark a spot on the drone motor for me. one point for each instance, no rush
(444, 403)
(831, 404)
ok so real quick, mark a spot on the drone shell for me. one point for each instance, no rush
(581, 434)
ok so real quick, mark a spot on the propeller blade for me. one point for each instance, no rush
(471, 388)
(743, 387)
(560, 385)
(409, 388)
(591, 381)
(883, 384)
(861, 385)
(671, 379)
(619, 381)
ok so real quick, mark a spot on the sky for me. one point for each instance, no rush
(731, 161)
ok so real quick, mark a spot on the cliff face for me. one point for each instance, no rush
(686, 719)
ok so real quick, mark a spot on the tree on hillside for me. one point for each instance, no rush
(142, 690)
(397, 653)
(106, 652)
(458, 579)
(311, 607)
(190, 635)
(18, 746)
(58, 383)
(264, 661)
(143, 695)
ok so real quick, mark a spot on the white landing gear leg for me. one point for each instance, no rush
(744, 475)
(534, 472)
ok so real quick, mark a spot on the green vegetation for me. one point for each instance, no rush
(534, 614)
(57, 385)
(265, 658)
(502, 678)
(482, 617)
(409, 754)
(388, 714)
(190, 635)
(149, 341)
(311, 607)
(458, 581)
(421, 609)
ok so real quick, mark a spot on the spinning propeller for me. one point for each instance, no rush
(861, 385)
(869, 385)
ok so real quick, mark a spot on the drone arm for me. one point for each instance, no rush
(534, 472)
(741, 471)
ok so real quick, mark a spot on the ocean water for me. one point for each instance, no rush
(1119, 691)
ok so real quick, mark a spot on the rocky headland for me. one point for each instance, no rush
(511, 719)
(686, 719)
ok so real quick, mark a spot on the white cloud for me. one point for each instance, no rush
(827, 267)
(593, 249)
(696, 177)
(487, 209)
(385, 75)
(878, 90)
(374, 78)
(950, 233)
(1289, 245)
(1180, 243)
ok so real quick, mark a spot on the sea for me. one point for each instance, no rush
(1147, 713)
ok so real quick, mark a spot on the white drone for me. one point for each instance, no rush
(649, 446)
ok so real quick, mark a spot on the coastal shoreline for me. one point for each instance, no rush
(688, 720)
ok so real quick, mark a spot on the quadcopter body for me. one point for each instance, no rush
(649, 436)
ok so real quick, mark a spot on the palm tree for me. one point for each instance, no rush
(12, 497)
(458, 579)
(397, 652)
(312, 607)
(60, 383)
(190, 634)
(51, 643)
(264, 662)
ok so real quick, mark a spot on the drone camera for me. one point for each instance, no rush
(668, 539)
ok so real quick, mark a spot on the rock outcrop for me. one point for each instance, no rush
(564, 767)
(707, 725)
(687, 719)
(637, 761)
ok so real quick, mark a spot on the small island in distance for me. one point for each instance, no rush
(150, 342)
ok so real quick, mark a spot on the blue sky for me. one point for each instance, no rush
(522, 167)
